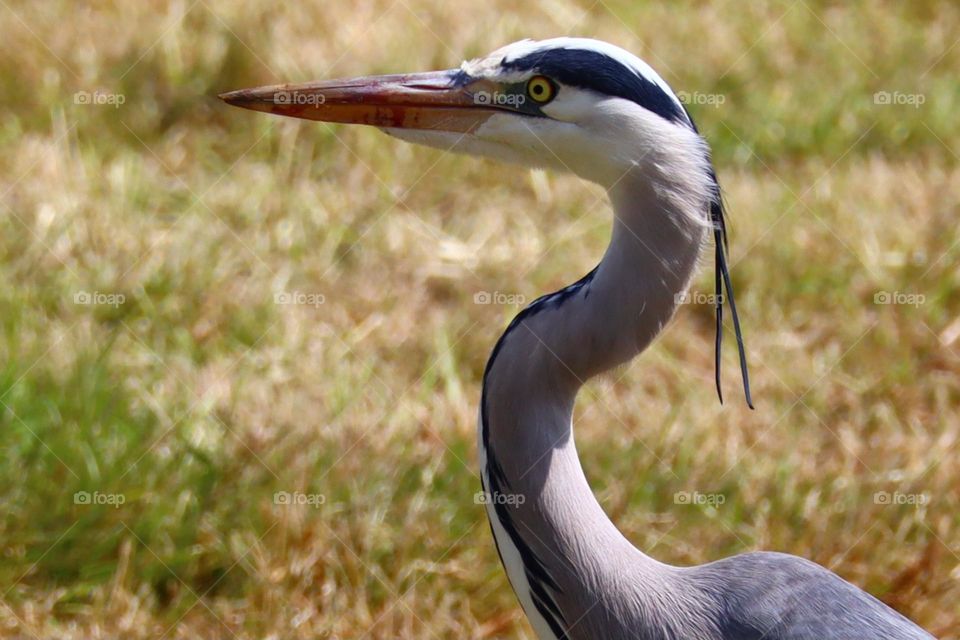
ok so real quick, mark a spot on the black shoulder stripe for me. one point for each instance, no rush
(534, 568)
(555, 626)
(539, 594)
(547, 301)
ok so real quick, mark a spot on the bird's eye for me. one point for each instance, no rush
(541, 89)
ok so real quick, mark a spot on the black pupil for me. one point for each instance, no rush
(538, 89)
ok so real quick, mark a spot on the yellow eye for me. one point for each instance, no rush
(541, 89)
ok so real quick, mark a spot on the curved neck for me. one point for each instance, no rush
(532, 379)
(560, 341)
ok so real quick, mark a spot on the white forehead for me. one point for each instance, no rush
(490, 65)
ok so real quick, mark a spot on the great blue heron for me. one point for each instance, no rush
(594, 109)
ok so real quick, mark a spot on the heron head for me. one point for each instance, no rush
(568, 103)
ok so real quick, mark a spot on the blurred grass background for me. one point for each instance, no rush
(188, 391)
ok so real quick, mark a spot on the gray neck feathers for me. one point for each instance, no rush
(543, 359)
(563, 339)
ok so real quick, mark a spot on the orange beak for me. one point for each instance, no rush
(436, 100)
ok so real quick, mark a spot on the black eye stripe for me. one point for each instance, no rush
(598, 72)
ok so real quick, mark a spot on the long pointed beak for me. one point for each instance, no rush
(437, 100)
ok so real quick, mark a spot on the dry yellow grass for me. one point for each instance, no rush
(196, 396)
